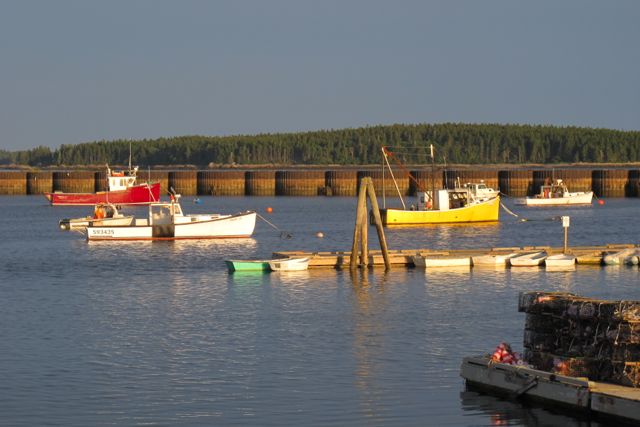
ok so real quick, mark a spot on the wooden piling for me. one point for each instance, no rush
(516, 182)
(260, 183)
(221, 183)
(300, 183)
(609, 182)
(184, 182)
(74, 181)
(13, 183)
(360, 232)
(342, 182)
(39, 182)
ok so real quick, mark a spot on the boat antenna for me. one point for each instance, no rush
(129, 155)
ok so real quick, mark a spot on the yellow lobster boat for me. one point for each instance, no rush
(471, 203)
(455, 208)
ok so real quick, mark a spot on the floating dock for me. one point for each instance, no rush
(576, 394)
(404, 258)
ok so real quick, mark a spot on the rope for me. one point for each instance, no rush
(511, 213)
(283, 234)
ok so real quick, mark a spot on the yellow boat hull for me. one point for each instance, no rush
(482, 212)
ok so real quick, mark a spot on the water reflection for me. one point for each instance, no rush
(500, 412)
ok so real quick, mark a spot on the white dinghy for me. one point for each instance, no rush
(495, 260)
(531, 259)
(289, 264)
(625, 256)
(560, 260)
(431, 261)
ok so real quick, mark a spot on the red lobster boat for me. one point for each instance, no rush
(121, 190)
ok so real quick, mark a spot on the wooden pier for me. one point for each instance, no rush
(574, 393)
(404, 257)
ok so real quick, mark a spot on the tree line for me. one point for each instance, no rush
(453, 143)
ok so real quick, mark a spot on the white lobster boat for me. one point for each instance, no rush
(167, 222)
(557, 194)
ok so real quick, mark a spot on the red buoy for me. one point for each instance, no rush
(601, 202)
(269, 209)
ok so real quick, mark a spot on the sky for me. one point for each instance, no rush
(74, 71)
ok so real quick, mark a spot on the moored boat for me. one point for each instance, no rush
(531, 259)
(103, 214)
(289, 264)
(247, 265)
(490, 260)
(560, 260)
(122, 189)
(166, 221)
(473, 202)
(624, 256)
(431, 261)
(556, 194)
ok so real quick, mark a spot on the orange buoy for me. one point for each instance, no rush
(269, 209)
(319, 234)
(601, 202)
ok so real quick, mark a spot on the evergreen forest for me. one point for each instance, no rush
(453, 143)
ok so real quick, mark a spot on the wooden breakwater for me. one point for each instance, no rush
(515, 182)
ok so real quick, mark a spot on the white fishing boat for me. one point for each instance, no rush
(530, 259)
(491, 260)
(289, 264)
(556, 194)
(624, 256)
(431, 261)
(103, 214)
(560, 260)
(480, 192)
(166, 221)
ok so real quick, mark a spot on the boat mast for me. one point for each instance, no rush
(129, 156)
(433, 177)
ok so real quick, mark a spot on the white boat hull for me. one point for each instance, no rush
(625, 256)
(432, 262)
(528, 260)
(216, 227)
(492, 260)
(290, 264)
(580, 198)
(560, 260)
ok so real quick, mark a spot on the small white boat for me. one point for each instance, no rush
(624, 256)
(289, 264)
(103, 214)
(167, 222)
(531, 259)
(557, 194)
(489, 260)
(441, 261)
(560, 260)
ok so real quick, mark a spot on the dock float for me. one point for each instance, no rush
(585, 255)
(574, 393)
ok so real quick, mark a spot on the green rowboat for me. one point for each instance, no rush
(248, 265)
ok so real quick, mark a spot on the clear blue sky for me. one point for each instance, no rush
(77, 71)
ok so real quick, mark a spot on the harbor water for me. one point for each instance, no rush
(160, 334)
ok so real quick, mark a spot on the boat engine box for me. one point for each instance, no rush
(442, 200)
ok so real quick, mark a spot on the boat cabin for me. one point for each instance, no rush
(445, 199)
(121, 180)
(553, 190)
(480, 191)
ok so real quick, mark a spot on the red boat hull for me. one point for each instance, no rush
(134, 195)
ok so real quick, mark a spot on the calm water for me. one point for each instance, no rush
(160, 334)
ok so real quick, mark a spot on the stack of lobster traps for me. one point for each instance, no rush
(582, 337)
